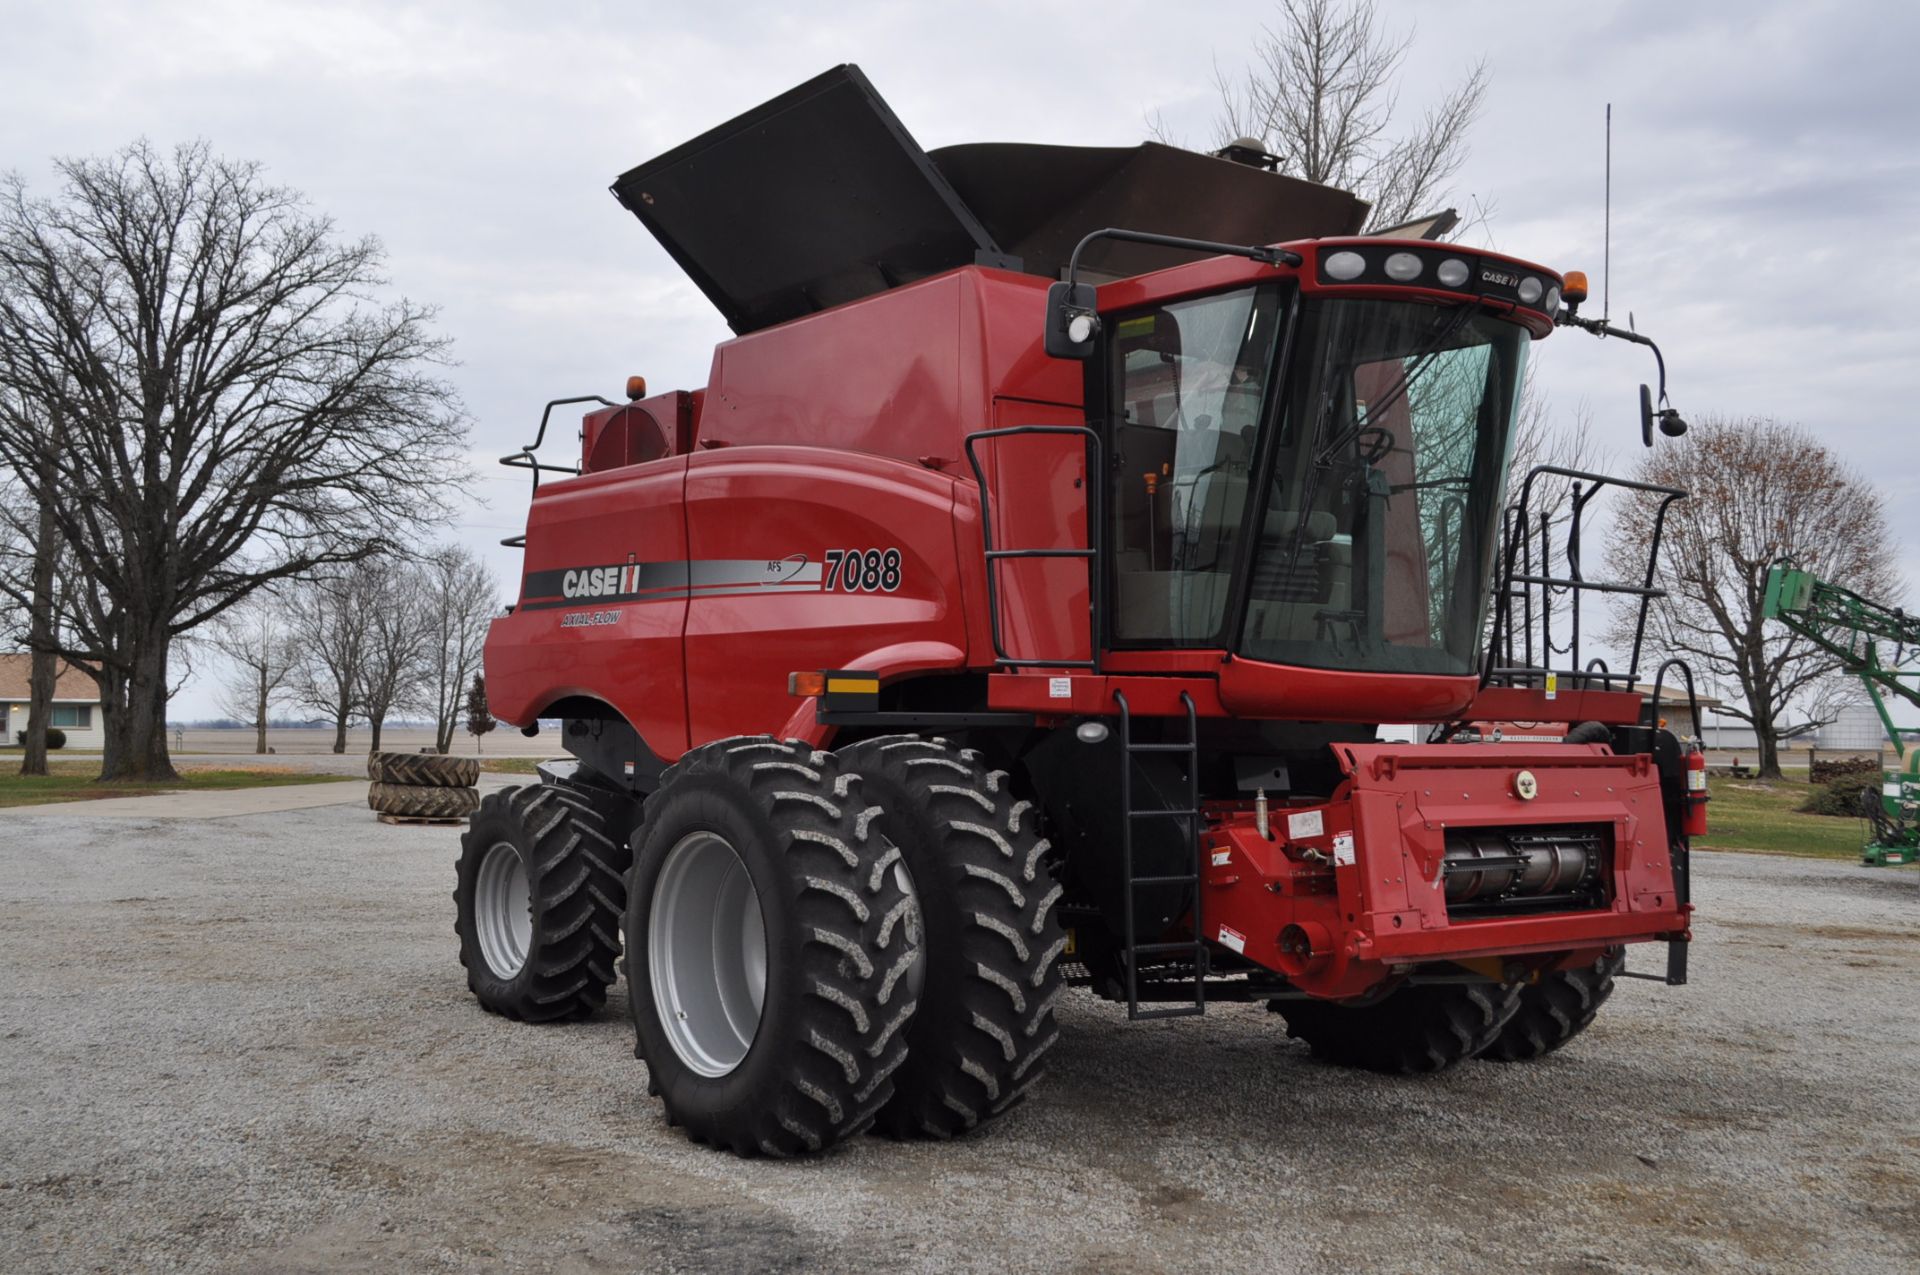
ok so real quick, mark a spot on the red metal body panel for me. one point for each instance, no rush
(634, 662)
(1361, 875)
(907, 373)
(778, 503)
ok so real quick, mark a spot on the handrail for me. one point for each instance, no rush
(525, 458)
(1517, 567)
(1096, 485)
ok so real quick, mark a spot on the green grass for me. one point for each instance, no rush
(77, 781)
(1746, 814)
(511, 765)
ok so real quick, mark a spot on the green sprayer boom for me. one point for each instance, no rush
(1881, 646)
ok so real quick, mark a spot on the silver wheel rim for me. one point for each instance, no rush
(707, 953)
(503, 910)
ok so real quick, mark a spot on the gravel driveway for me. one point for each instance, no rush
(246, 1044)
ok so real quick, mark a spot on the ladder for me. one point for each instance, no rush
(1194, 949)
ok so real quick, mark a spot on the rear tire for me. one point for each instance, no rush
(1556, 1009)
(1413, 1031)
(782, 1038)
(540, 891)
(993, 939)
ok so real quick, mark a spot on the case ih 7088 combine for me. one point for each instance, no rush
(1017, 606)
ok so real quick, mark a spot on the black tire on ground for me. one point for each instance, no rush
(423, 770)
(993, 939)
(840, 935)
(1556, 1009)
(575, 878)
(423, 801)
(1413, 1031)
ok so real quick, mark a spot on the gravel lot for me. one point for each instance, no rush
(246, 1044)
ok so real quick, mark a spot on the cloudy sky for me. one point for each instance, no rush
(1766, 177)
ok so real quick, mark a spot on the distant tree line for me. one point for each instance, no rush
(388, 637)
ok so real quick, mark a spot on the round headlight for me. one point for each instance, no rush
(1530, 289)
(1552, 305)
(1344, 265)
(1402, 266)
(1452, 272)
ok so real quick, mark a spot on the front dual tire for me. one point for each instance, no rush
(772, 945)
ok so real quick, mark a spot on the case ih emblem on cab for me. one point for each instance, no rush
(1104, 591)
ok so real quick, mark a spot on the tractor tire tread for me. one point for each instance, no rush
(825, 1083)
(422, 801)
(987, 1009)
(574, 945)
(1414, 1031)
(423, 770)
(1556, 1009)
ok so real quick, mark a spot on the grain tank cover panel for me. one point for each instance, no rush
(1039, 201)
(815, 198)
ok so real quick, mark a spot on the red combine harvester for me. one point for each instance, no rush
(1017, 606)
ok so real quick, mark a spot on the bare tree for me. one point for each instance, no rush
(331, 618)
(462, 598)
(1320, 92)
(1761, 491)
(398, 633)
(261, 654)
(237, 407)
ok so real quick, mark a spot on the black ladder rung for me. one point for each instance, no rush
(1161, 748)
(1185, 945)
(1184, 879)
(1163, 814)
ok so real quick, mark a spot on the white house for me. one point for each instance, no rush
(76, 703)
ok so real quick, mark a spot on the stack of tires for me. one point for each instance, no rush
(423, 785)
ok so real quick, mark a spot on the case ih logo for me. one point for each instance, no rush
(1488, 274)
(635, 581)
(601, 582)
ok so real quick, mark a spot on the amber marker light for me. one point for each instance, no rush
(807, 685)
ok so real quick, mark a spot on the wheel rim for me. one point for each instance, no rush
(707, 953)
(503, 910)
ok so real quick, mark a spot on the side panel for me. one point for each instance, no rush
(603, 603)
(854, 554)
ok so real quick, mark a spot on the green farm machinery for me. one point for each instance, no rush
(1881, 646)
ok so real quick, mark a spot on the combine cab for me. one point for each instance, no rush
(1017, 605)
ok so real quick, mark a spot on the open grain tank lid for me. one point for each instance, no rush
(821, 196)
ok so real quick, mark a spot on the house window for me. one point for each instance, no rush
(72, 716)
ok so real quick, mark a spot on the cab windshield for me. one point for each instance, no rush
(1373, 527)
(1376, 531)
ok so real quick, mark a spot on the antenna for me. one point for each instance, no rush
(1606, 252)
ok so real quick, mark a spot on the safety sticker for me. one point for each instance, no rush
(1059, 688)
(1306, 823)
(1221, 858)
(1553, 686)
(1342, 849)
(1233, 938)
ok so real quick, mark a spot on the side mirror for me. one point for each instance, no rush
(1072, 323)
(1668, 417)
